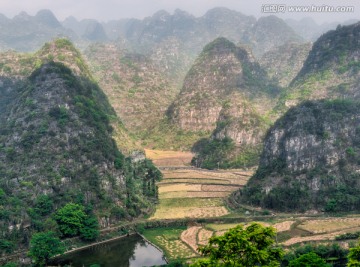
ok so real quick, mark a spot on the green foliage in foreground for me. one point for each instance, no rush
(330, 253)
(354, 257)
(310, 259)
(43, 246)
(253, 246)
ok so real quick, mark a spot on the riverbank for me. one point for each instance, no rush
(127, 250)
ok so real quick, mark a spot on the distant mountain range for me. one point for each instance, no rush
(143, 35)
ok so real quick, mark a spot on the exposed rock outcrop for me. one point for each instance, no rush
(310, 160)
(222, 72)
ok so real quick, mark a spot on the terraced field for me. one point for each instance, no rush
(187, 192)
(169, 241)
(169, 158)
(292, 232)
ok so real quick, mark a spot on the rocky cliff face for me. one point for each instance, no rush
(222, 72)
(237, 138)
(310, 160)
(226, 94)
(240, 122)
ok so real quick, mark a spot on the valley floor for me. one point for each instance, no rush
(187, 192)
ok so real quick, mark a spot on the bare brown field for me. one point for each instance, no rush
(169, 158)
(195, 236)
(189, 237)
(216, 174)
(329, 225)
(193, 194)
(185, 212)
(179, 187)
(207, 194)
(204, 235)
(194, 181)
(283, 226)
(220, 233)
(184, 185)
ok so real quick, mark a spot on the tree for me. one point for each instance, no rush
(241, 247)
(310, 259)
(43, 246)
(43, 205)
(70, 219)
(354, 257)
(90, 230)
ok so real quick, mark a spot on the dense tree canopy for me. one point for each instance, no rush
(43, 246)
(73, 220)
(70, 219)
(310, 259)
(354, 257)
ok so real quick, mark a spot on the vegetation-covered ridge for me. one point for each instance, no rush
(336, 48)
(310, 160)
(56, 142)
(331, 69)
(135, 86)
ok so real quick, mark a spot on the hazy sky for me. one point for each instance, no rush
(105, 10)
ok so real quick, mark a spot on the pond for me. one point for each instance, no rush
(131, 251)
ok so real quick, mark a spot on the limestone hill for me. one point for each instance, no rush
(310, 160)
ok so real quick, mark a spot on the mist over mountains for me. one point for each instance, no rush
(27, 33)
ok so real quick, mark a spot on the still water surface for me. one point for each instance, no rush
(132, 251)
